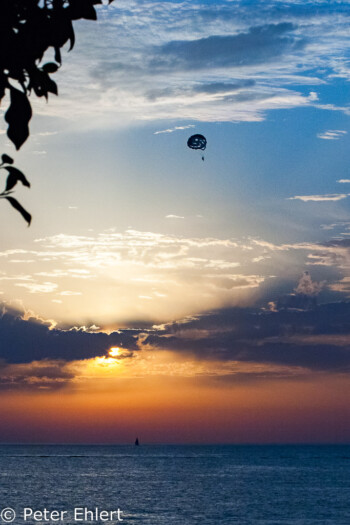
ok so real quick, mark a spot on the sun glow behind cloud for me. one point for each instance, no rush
(115, 272)
(115, 352)
(109, 365)
(117, 278)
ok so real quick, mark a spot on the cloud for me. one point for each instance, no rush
(176, 128)
(320, 198)
(37, 375)
(45, 133)
(343, 285)
(339, 224)
(258, 45)
(316, 339)
(25, 340)
(332, 254)
(304, 297)
(291, 336)
(204, 62)
(174, 217)
(235, 344)
(343, 181)
(78, 272)
(45, 287)
(125, 266)
(307, 286)
(223, 87)
(334, 134)
(70, 293)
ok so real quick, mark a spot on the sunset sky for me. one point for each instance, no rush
(161, 296)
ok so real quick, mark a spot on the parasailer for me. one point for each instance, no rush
(198, 142)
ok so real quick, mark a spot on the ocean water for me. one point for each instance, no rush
(179, 485)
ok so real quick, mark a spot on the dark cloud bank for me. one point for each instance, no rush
(291, 336)
(24, 341)
(294, 332)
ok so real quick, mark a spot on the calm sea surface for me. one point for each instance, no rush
(179, 485)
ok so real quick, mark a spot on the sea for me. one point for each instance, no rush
(175, 485)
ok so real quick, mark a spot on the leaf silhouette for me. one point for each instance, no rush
(28, 29)
(82, 9)
(51, 86)
(58, 56)
(15, 204)
(6, 159)
(50, 67)
(15, 175)
(18, 116)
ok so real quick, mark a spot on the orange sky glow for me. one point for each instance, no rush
(112, 402)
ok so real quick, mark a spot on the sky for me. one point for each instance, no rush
(159, 295)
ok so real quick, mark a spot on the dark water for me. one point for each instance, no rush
(176, 485)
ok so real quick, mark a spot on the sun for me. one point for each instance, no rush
(110, 360)
(114, 351)
(113, 358)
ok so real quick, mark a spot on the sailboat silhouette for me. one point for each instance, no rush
(137, 443)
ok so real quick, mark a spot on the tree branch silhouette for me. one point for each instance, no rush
(28, 28)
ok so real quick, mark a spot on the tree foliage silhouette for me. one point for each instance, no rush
(28, 28)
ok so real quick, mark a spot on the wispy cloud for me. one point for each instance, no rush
(334, 134)
(174, 217)
(320, 198)
(70, 293)
(82, 271)
(206, 62)
(45, 133)
(46, 287)
(176, 128)
(128, 266)
(344, 181)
